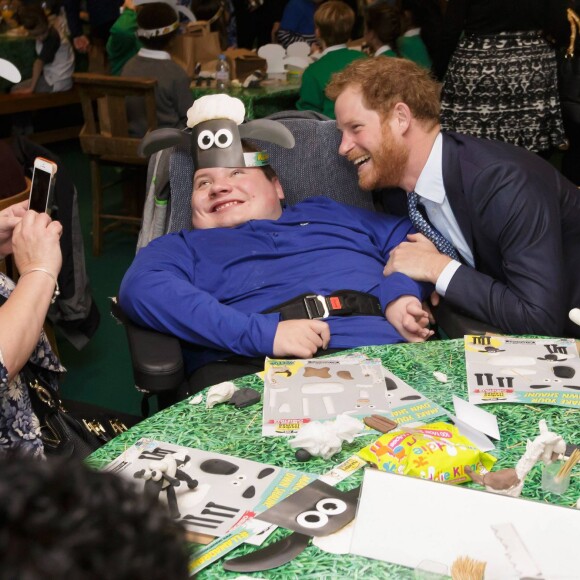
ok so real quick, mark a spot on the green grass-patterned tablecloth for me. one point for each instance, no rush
(237, 432)
(259, 102)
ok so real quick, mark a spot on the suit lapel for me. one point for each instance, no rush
(453, 183)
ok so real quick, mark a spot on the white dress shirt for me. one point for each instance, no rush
(431, 190)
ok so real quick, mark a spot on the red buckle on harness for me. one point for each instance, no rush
(335, 303)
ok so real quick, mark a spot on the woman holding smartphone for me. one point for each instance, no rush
(34, 240)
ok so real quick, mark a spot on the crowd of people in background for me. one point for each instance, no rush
(483, 52)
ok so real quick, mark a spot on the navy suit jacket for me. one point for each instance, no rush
(521, 218)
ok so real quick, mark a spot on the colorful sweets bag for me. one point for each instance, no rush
(436, 451)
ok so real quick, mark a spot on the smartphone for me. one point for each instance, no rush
(42, 188)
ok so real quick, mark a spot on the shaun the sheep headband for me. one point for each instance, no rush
(167, 29)
(217, 130)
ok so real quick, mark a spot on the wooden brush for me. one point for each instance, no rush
(466, 568)
(567, 467)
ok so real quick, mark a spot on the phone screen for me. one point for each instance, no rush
(40, 190)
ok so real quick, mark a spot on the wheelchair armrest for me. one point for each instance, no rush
(455, 324)
(156, 358)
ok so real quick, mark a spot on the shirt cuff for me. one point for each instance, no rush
(445, 277)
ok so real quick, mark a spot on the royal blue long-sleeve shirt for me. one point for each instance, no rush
(209, 287)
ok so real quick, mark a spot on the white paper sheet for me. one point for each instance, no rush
(406, 520)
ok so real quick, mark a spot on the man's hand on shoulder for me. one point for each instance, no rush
(418, 258)
(300, 338)
(409, 319)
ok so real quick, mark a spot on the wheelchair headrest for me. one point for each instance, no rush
(313, 167)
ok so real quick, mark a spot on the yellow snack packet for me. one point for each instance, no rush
(436, 451)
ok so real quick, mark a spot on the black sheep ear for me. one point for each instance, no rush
(267, 130)
(272, 556)
(162, 139)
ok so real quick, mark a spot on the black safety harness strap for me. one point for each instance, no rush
(340, 303)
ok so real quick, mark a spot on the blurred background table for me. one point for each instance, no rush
(237, 432)
(259, 102)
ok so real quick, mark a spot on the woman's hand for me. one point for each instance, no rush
(9, 219)
(36, 243)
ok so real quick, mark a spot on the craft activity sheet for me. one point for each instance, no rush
(208, 492)
(303, 390)
(521, 370)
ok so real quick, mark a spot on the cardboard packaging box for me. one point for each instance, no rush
(244, 62)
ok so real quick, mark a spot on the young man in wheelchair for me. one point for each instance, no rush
(255, 279)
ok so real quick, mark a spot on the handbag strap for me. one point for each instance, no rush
(574, 21)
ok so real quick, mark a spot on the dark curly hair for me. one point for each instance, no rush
(60, 519)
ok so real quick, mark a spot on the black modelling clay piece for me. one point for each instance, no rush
(302, 455)
(218, 467)
(250, 492)
(564, 372)
(244, 397)
(272, 556)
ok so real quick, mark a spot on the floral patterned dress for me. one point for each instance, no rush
(19, 426)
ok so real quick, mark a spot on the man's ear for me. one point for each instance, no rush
(278, 188)
(401, 116)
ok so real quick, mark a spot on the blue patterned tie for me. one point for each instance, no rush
(425, 228)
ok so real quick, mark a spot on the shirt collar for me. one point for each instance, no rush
(383, 49)
(430, 183)
(413, 32)
(158, 54)
(331, 48)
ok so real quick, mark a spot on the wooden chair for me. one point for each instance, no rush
(6, 264)
(105, 138)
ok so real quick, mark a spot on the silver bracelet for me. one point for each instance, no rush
(56, 289)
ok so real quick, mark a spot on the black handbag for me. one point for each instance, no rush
(68, 434)
(569, 74)
(62, 434)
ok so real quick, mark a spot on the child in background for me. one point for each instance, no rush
(411, 43)
(158, 24)
(382, 29)
(297, 22)
(333, 23)
(123, 43)
(53, 68)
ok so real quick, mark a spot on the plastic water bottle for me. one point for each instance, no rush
(222, 73)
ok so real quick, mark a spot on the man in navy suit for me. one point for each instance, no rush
(513, 218)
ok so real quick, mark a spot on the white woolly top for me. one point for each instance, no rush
(219, 106)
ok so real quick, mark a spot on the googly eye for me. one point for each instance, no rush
(331, 506)
(312, 520)
(223, 138)
(548, 380)
(556, 380)
(205, 139)
(372, 406)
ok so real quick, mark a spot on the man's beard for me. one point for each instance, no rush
(388, 164)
